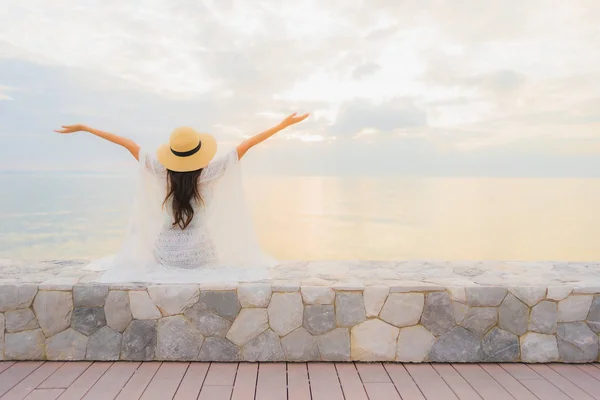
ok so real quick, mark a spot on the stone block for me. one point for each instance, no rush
(300, 346)
(223, 303)
(177, 340)
(438, 313)
(319, 319)
(544, 317)
(480, 320)
(20, 320)
(500, 346)
(457, 293)
(254, 295)
(460, 311)
(26, 345)
(373, 340)
(208, 323)
(318, 295)
(266, 347)
(53, 311)
(2, 329)
(593, 318)
(285, 312)
(558, 292)
(375, 297)
(141, 305)
(249, 324)
(15, 296)
(334, 345)
(485, 296)
(88, 320)
(403, 309)
(530, 295)
(349, 308)
(66, 345)
(139, 341)
(574, 308)
(89, 295)
(513, 315)
(117, 311)
(414, 344)
(457, 345)
(218, 349)
(173, 299)
(539, 348)
(577, 342)
(104, 345)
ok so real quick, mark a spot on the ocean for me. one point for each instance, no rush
(58, 216)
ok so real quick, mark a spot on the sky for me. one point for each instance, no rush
(416, 87)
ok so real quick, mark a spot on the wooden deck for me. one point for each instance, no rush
(326, 381)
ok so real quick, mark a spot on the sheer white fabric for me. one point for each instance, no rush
(220, 243)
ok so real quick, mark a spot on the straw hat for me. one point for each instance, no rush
(187, 150)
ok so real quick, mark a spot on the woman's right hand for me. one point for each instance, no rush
(72, 128)
(292, 119)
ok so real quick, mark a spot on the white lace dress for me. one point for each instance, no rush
(191, 247)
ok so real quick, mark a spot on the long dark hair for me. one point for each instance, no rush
(182, 187)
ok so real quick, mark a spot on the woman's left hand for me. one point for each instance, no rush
(72, 128)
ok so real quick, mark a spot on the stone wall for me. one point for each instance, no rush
(269, 322)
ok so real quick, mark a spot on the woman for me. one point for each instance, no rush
(189, 213)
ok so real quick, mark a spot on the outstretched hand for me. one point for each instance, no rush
(293, 119)
(71, 128)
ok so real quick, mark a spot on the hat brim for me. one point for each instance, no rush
(194, 162)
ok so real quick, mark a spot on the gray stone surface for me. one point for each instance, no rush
(438, 313)
(321, 295)
(250, 323)
(88, 320)
(208, 323)
(538, 348)
(254, 295)
(286, 312)
(484, 296)
(457, 345)
(513, 315)
(27, 345)
(530, 295)
(593, 318)
(300, 346)
(53, 311)
(480, 320)
(104, 345)
(500, 346)
(66, 345)
(558, 292)
(2, 329)
(177, 340)
(20, 320)
(335, 345)
(223, 303)
(574, 308)
(349, 309)
(173, 299)
(266, 347)
(219, 349)
(117, 311)
(373, 340)
(139, 341)
(374, 298)
(403, 309)
(460, 311)
(89, 295)
(15, 296)
(577, 342)
(414, 344)
(319, 319)
(544, 317)
(141, 305)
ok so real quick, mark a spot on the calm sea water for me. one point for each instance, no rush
(49, 216)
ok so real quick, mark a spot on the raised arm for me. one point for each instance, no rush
(261, 137)
(129, 144)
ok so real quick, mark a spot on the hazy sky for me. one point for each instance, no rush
(461, 87)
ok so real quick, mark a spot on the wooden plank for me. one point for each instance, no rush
(165, 382)
(590, 370)
(221, 374)
(4, 365)
(459, 386)
(431, 384)
(324, 382)
(482, 382)
(560, 382)
(350, 381)
(215, 393)
(111, 383)
(192, 381)
(588, 384)
(140, 380)
(26, 386)
(544, 389)
(272, 381)
(381, 391)
(521, 372)
(44, 394)
(16, 373)
(80, 387)
(65, 375)
(372, 373)
(405, 385)
(508, 382)
(298, 385)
